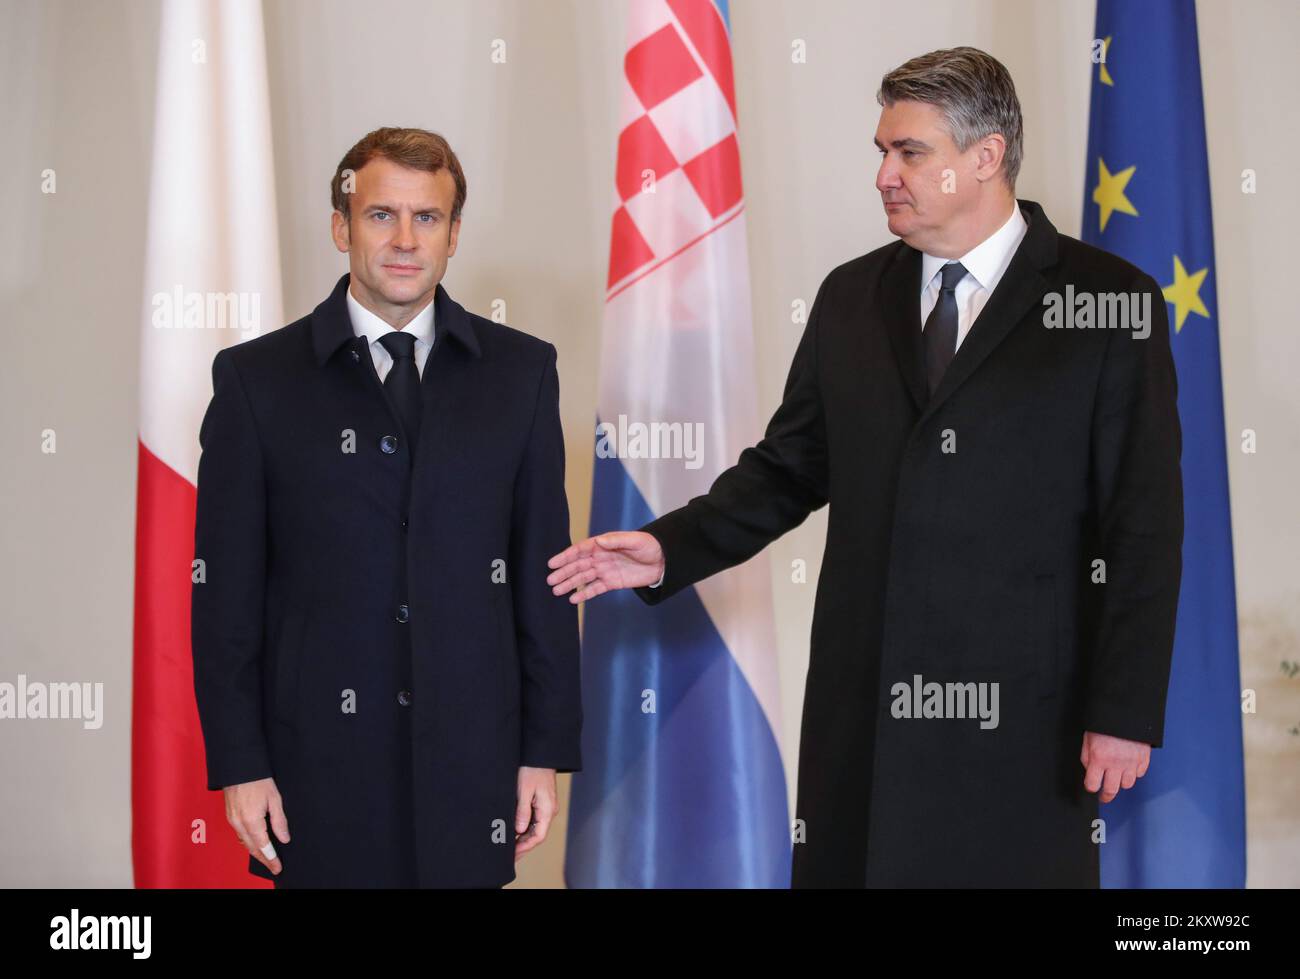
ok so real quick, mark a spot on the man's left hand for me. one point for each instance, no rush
(1112, 763)
(535, 808)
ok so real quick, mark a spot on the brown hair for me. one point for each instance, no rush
(417, 149)
(973, 91)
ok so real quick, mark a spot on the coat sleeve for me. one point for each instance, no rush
(771, 489)
(546, 626)
(226, 624)
(1136, 467)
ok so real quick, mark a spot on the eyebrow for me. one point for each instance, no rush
(904, 144)
(429, 209)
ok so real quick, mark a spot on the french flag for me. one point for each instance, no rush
(212, 279)
(683, 782)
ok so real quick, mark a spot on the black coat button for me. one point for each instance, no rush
(404, 698)
(403, 613)
(403, 524)
(388, 444)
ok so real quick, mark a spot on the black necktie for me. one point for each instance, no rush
(940, 330)
(403, 382)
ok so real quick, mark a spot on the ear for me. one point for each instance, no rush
(992, 149)
(453, 236)
(340, 232)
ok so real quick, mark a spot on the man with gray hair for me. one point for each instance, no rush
(1005, 519)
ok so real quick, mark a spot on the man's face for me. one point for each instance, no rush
(399, 236)
(919, 162)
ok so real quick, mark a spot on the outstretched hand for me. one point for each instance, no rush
(620, 559)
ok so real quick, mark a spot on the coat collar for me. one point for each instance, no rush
(331, 327)
(988, 260)
(1021, 287)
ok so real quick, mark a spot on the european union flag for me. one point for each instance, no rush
(1147, 199)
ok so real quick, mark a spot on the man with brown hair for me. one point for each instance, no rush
(995, 615)
(378, 664)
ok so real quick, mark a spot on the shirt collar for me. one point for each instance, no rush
(987, 260)
(367, 324)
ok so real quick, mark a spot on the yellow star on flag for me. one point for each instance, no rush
(1185, 293)
(1103, 74)
(1109, 192)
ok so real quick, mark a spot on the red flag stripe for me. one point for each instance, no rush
(168, 784)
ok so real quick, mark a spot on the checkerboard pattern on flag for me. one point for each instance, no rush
(683, 782)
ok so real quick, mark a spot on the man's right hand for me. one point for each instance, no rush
(247, 806)
(621, 559)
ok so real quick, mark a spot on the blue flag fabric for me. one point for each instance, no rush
(1147, 199)
(683, 781)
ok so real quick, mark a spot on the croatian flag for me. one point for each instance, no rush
(212, 279)
(683, 783)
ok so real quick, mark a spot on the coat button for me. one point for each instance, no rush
(403, 524)
(404, 698)
(403, 613)
(388, 444)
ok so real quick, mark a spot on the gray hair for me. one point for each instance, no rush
(974, 92)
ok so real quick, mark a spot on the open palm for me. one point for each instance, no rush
(621, 559)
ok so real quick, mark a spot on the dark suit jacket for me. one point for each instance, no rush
(973, 565)
(375, 630)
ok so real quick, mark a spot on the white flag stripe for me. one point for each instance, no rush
(679, 347)
(212, 225)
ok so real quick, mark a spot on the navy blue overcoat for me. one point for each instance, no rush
(372, 627)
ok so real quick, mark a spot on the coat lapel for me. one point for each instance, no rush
(1020, 290)
(331, 326)
(455, 347)
(901, 292)
(455, 343)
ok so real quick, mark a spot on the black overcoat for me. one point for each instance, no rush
(960, 547)
(375, 631)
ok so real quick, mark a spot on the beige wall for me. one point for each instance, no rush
(537, 137)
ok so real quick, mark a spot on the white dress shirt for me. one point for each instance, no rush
(984, 264)
(367, 324)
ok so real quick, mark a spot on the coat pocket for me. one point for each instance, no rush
(1047, 644)
(288, 666)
